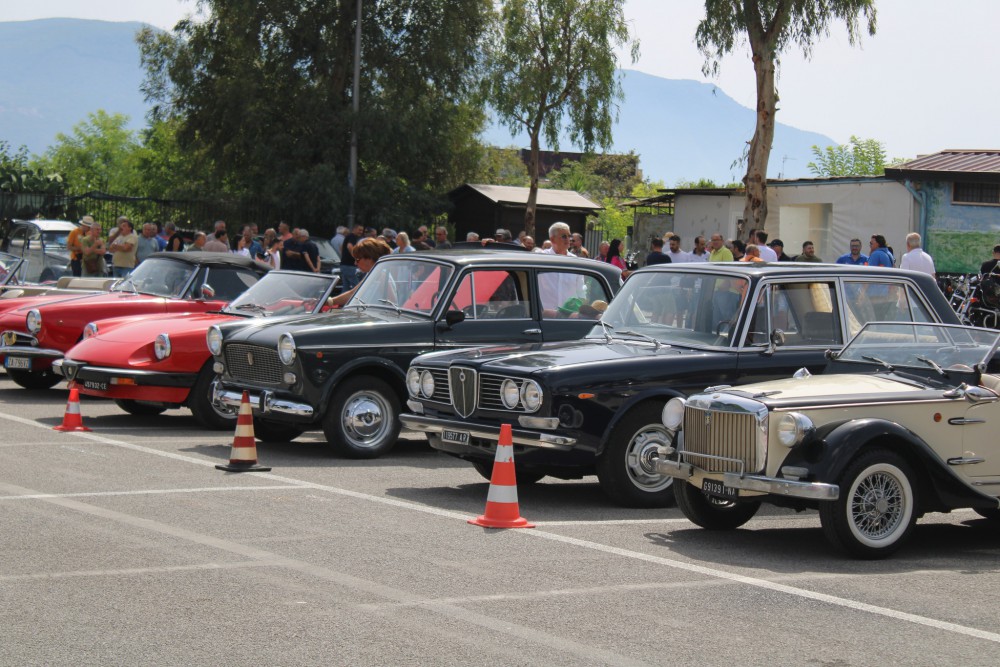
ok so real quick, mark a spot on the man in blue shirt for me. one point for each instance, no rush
(854, 257)
(880, 255)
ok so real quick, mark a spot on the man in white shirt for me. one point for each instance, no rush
(915, 258)
(559, 235)
(766, 253)
(674, 252)
(700, 252)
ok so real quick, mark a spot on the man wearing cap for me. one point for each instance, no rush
(73, 243)
(778, 246)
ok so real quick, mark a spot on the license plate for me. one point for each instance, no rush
(457, 437)
(18, 362)
(718, 489)
(95, 385)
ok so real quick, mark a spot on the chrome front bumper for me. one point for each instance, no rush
(760, 483)
(263, 403)
(33, 352)
(435, 425)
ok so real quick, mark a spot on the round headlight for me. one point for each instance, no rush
(793, 428)
(673, 413)
(90, 330)
(33, 321)
(426, 384)
(510, 394)
(214, 340)
(531, 395)
(161, 346)
(413, 382)
(286, 349)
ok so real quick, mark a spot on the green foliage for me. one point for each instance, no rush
(615, 219)
(501, 166)
(99, 154)
(598, 175)
(705, 184)
(554, 60)
(18, 175)
(860, 157)
(261, 92)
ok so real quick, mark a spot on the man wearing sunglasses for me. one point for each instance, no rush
(559, 235)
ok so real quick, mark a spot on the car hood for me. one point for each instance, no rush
(351, 326)
(144, 328)
(837, 388)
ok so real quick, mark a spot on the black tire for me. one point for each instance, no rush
(362, 421)
(877, 507)
(625, 469)
(713, 513)
(266, 431)
(201, 406)
(993, 514)
(485, 469)
(33, 380)
(140, 409)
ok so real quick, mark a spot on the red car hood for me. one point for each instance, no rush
(135, 328)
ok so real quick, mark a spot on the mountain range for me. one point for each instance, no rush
(56, 71)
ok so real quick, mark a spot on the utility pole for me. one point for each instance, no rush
(352, 174)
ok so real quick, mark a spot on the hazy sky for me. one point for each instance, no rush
(925, 82)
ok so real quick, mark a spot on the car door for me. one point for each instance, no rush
(570, 302)
(497, 307)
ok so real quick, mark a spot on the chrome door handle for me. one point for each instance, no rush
(532, 332)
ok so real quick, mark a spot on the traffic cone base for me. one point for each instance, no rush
(243, 457)
(502, 510)
(72, 419)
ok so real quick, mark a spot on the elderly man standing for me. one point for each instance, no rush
(123, 249)
(559, 235)
(147, 244)
(915, 258)
(718, 252)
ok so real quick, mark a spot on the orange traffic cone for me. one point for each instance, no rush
(72, 420)
(243, 457)
(502, 510)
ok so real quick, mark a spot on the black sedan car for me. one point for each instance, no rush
(344, 371)
(594, 406)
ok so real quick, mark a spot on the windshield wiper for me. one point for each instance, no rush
(127, 281)
(257, 308)
(933, 364)
(392, 304)
(886, 364)
(359, 304)
(608, 328)
(652, 339)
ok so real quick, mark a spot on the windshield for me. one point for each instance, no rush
(410, 284)
(159, 277)
(326, 250)
(55, 239)
(907, 345)
(8, 265)
(678, 308)
(283, 294)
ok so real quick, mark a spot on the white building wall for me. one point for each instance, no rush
(704, 215)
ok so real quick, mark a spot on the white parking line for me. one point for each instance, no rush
(537, 534)
(129, 571)
(150, 492)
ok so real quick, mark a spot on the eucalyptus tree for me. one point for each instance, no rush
(553, 62)
(770, 27)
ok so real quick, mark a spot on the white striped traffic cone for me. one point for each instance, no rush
(243, 457)
(72, 419)
(502, 510)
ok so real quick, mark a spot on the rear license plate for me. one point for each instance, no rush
(719, 490)
(18, 362)
(457, 437)
(95, 385)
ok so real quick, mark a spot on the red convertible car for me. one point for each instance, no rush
(148, 365)
(38, 330)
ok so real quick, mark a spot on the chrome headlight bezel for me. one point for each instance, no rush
(213, 339)
(426, 384)
(510, 393)
(793, 428)
(286, 349)
(161, 346)
(531, 396)
(413, 382)
(90, 330)
(33, 321)
(673, 414)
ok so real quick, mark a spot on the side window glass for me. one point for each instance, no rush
(918, 311)
(807, 314)
(17, 241)
(571, 295)
(873, 301)
(493, 295)
(229, 284)
(759, 322)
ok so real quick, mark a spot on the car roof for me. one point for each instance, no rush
(48, 225)
(781, 269)
(208, 258)
(487, 257)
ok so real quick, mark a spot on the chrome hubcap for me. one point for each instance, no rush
(364, 419)
(640, 460)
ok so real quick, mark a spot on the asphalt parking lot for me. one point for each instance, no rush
(126, 546)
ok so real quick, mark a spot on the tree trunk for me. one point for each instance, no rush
(755, 209)
(529, 210)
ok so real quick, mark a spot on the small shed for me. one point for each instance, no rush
(485, 208)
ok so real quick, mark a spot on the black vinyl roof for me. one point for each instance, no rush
(210, 258)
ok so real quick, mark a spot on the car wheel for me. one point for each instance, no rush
(138, 408)
(713, 513)
(626, 468)
(522, 476)
(876, 510)
(200, 402)
(34, 380)
(266, 431)
(362, 421)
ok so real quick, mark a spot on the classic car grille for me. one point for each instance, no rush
(489, 393)
(442, 393)
(253, 363)
(715, 433)
(463, 385)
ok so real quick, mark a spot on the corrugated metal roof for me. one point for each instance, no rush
(507, 194)
(958, 161)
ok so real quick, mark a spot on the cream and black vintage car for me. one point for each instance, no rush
(902, 423)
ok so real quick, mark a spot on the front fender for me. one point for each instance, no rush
(660, 394)
(350, 367)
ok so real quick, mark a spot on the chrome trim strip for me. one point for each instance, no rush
(961, 421)
(783, 487)
(962, 460)
(57, 367)
(264, 403)
(528, 439)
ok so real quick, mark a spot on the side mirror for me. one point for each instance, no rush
(776, 338)
(453, 317)
(207, 292)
